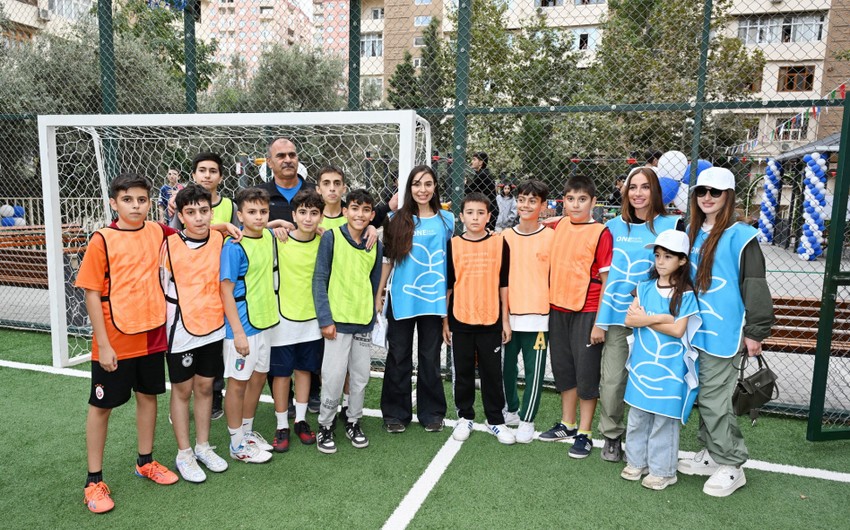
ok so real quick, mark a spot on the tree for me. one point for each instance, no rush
(404, 90)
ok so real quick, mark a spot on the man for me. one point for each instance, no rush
(282, 160)
(482, 182)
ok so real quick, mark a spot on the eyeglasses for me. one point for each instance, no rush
(702, 190)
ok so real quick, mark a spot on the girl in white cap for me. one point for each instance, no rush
(662, 382)
(737, 314)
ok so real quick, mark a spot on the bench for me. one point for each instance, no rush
(23, 254)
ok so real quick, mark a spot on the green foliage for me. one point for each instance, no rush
(404, 91)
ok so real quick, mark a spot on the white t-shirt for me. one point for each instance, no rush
(290, 332)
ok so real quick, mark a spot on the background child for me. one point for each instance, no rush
(528, 300)
(331, 186)
(167, 192)
(662, 366)
(120, 275)
(477, 323)
(507, 207)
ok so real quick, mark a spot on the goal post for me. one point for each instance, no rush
(81, 154)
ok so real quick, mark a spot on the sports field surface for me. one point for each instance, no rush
(415, 479)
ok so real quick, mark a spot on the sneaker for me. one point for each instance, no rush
(354, 433)
(658, 483)
(559, 432)
(613, 450)
(511, 418)
(434, 426)
(250, 454)
(305, 433)
(189, 469)
(97, 499)
(280, 444)
(157, 473)
(462, 430)
(525, 432)
(313, 404)
(255, 438)
(701, 464)
(633, 473)
(502, 433)
(217, 413)
(217, 408)
(325, 440)
(724, 481)
(581, 447)
(394, 426)
(208, 457)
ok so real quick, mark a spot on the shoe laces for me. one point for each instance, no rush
(99, 492)
(155, 469)
(205, 452)
(256, 436)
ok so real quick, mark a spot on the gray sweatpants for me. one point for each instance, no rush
(347, 354)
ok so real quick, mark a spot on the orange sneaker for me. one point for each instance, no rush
(97, 498)
(157, 473)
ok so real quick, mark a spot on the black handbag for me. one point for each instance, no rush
(753, 391)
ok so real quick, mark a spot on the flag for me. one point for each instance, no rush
(842, 90)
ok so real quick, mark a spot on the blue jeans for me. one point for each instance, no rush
(652, 441)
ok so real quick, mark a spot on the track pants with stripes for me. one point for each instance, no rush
(533, 345)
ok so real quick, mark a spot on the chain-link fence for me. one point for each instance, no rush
(547, 88)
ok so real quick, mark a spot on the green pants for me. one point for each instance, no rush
(718, 426)
(533, 345)
(612, 383)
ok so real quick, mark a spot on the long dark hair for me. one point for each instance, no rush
(679, 280)
(656, 203)
(398, 235)
(724, 219)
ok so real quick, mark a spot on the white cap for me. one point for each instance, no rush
(718, 178)
(672, 240)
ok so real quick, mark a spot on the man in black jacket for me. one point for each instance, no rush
(482, 182)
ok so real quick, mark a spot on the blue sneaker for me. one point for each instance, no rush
(558, 432)
(581, 448)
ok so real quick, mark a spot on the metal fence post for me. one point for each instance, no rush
(458, 164)
(189, 51)
(354, 16)
(702, 73)
(108, 96)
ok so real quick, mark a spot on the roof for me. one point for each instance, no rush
(827, 144)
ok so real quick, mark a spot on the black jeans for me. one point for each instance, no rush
(486, 348)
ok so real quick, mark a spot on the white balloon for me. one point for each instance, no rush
(672, 164)
(680, 201)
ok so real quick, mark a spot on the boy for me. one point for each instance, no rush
(530, 244)
(345, 285)
(297, 341)
(248, 269)
(478, 264)
(580, 259)
(167, 192)
(120, 275)
(331, 187)
(190, 269)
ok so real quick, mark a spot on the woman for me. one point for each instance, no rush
(415, 266)
(737, 314)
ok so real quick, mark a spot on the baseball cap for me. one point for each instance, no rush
(672, 240)
(718, 178)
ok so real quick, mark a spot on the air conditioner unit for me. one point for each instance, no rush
(45, 14)
(785, 147)
(775, 1)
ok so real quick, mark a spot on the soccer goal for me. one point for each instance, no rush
(81, 154)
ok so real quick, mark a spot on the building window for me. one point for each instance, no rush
(792, 128)
(588, 2)
(266, 11)
(421, 2)
(796, 78)
(422, 20)
(417, 62)
(800, 27)
(377, 13)
(586, 39)
(753, 86)
(371, 45)
(548, 3)
(418, 42)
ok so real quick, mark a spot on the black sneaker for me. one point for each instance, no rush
(559, 432)
(304, 433)
(313, 404)
(355, 434)
(613, 450)
(325, 440)
(394, 426)
(217, 409)
(434, 426)
(581, 447)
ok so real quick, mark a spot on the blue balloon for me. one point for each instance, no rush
(669, 188)
(19, 211)
(807, 158)
(701, 166)
(7, 221)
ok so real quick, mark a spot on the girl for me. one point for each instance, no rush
(643, 217)
(506, 204)
(662, 379)
(415, 249)
(737, 312)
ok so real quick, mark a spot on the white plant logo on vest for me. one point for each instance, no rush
(426, 286)
(620, 302)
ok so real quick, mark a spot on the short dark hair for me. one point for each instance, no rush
(579, 183)
(361, 197)
(308, 199)
(652, 155)
(476, 196)
(251, 195)
(482, 156)
(192, 194)
(204, 156)
(330, 169)
(127, 180)
(535, 188)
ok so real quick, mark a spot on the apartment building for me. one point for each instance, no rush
(28, 17)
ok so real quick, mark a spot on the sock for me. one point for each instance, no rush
(144, 459)
(236, 436)
(282, 419)
(185, 454)
(571, 426)
(586, 433)
(345, 400)
(300, 411)
(247, 424)
(201, 447)
(94, 477)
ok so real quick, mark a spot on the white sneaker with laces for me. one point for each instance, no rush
(189, 469)
(250, 454)
(656, 483)
(255, 438)
(701, 464)
(462, 430)
(631, 472)
(724, 481)
(208, 457)
(502, 433)
(525, 432)
(511, 418)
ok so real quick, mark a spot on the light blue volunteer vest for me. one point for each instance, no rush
(419, 281)
(630, 265)
(722, 308)
(663, 370)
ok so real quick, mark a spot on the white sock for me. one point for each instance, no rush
(300, 411)
(236, 437)
(201, 447)
(345, 400)
(185, 454)
(282, 419)
(247, 424)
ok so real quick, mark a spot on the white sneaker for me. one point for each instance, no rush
(250, 454)
(631, 472)
(255, 438)
(462, 430)
(724, 481)
(189, 469)
(502, 433)
(207, 456)
(701, 464)
(658, 483)
(511, 418)
(525, 432)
